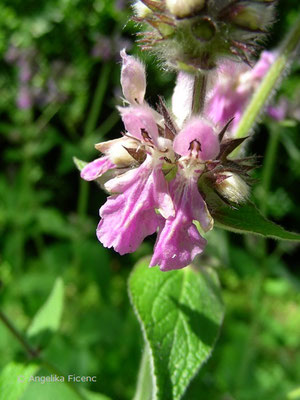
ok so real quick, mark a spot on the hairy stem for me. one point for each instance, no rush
(199, 94)
(268, 84)
(144, 389)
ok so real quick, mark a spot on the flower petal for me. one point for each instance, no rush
(199, 130)
(177, 245)
(139, 118)
(96, 168)
(179, 241)
(182, 97)
(263, 65)
(158, 188)
(128, 217)
(133, 79)
(226, 103)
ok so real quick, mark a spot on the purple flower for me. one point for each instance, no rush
(279, 111)
(154, 173)
(24, 100)
(107, 48)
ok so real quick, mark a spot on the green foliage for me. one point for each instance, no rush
(48, 318)
(58, 390)
(14, 379)
(180, 313)
(248, 219)
(48, 220)
(79, 163)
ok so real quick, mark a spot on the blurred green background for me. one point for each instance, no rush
(59, 85)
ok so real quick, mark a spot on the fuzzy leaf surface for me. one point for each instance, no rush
(180, 313)
(248, 219)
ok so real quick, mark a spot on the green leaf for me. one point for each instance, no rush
(59, 390)
(79, 163)
(180, 313)
(248, 219)
(52, 222)
(144, 390)
(94, 396)
(14, 379)
(47, 319)
(294, 395)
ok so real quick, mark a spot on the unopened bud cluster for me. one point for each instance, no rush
(194, 35)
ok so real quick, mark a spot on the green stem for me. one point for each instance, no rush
(199, 94)
(144, 389)
(266, 87)
(269, 163)
(46, 116)
(35, 354)
(91, 122)
(83, 197)
(107, 125)
(96, 106)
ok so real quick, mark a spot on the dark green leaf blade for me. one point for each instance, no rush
(180, 313)
(248, 219)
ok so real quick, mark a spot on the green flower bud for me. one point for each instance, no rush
(141, 10)
(184, 8)
(250, 16)
(232, 187)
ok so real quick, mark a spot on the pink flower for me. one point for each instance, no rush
(155, 170)
(179, 241)
(235, 86)
(96, 168)
(129, 215)
(200, 131)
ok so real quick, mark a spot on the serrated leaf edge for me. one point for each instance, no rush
(154, 381)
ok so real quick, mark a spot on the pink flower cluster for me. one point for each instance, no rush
(234, 87)
(153, 171)
(142, 201)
